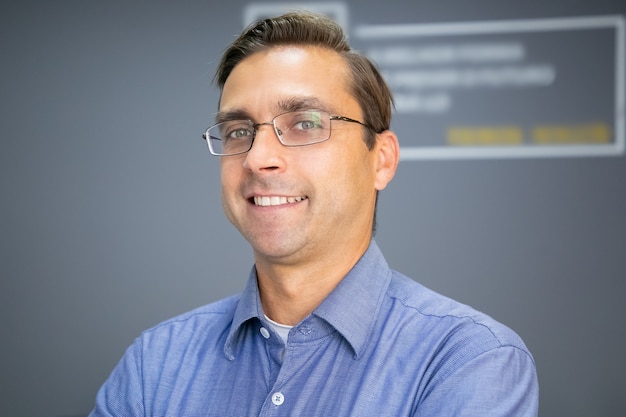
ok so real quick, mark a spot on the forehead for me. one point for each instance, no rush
(287, 78)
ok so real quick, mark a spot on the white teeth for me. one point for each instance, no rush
(275, 200)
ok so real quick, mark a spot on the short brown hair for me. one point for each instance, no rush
(307, 28)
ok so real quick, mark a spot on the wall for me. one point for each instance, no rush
(111, 219)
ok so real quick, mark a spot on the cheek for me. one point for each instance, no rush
(230, 170)
(349, 176)
(229, 183)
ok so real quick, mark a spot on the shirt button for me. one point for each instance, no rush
(278, 398)
(265, 333)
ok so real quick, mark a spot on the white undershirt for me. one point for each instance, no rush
(281, 329)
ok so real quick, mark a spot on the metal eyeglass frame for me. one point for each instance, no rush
(255, 127)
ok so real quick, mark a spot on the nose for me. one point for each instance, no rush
(266, 154)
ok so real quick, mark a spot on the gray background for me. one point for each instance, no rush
(110, 216)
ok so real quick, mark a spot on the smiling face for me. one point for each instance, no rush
(299, 204)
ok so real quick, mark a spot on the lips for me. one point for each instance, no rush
(266, 201)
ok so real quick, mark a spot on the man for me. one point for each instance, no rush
(323, 327)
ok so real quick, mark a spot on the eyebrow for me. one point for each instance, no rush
(236, 114)
(301, 103)
(283, 106)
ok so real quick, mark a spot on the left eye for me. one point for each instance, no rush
(305, 125)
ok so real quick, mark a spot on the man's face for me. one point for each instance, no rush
(321, 197)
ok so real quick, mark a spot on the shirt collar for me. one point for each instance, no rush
(351, 308)
(248, 307)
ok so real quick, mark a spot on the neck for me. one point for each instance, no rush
(289, 293)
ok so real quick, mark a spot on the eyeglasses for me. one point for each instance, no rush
(298, 128)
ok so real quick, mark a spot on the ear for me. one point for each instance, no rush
(387, 151)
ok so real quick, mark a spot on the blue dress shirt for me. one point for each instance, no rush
(379, 345)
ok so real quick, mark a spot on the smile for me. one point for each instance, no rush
(266, 201)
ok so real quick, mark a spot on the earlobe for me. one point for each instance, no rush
(387, 158)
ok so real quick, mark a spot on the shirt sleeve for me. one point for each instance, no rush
(501, 382)
(122, 393)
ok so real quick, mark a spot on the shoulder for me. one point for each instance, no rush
(448, 320)
(210, 319)
(459, 343)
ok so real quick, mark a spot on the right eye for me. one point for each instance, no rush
(236, 131)
(240, 133)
